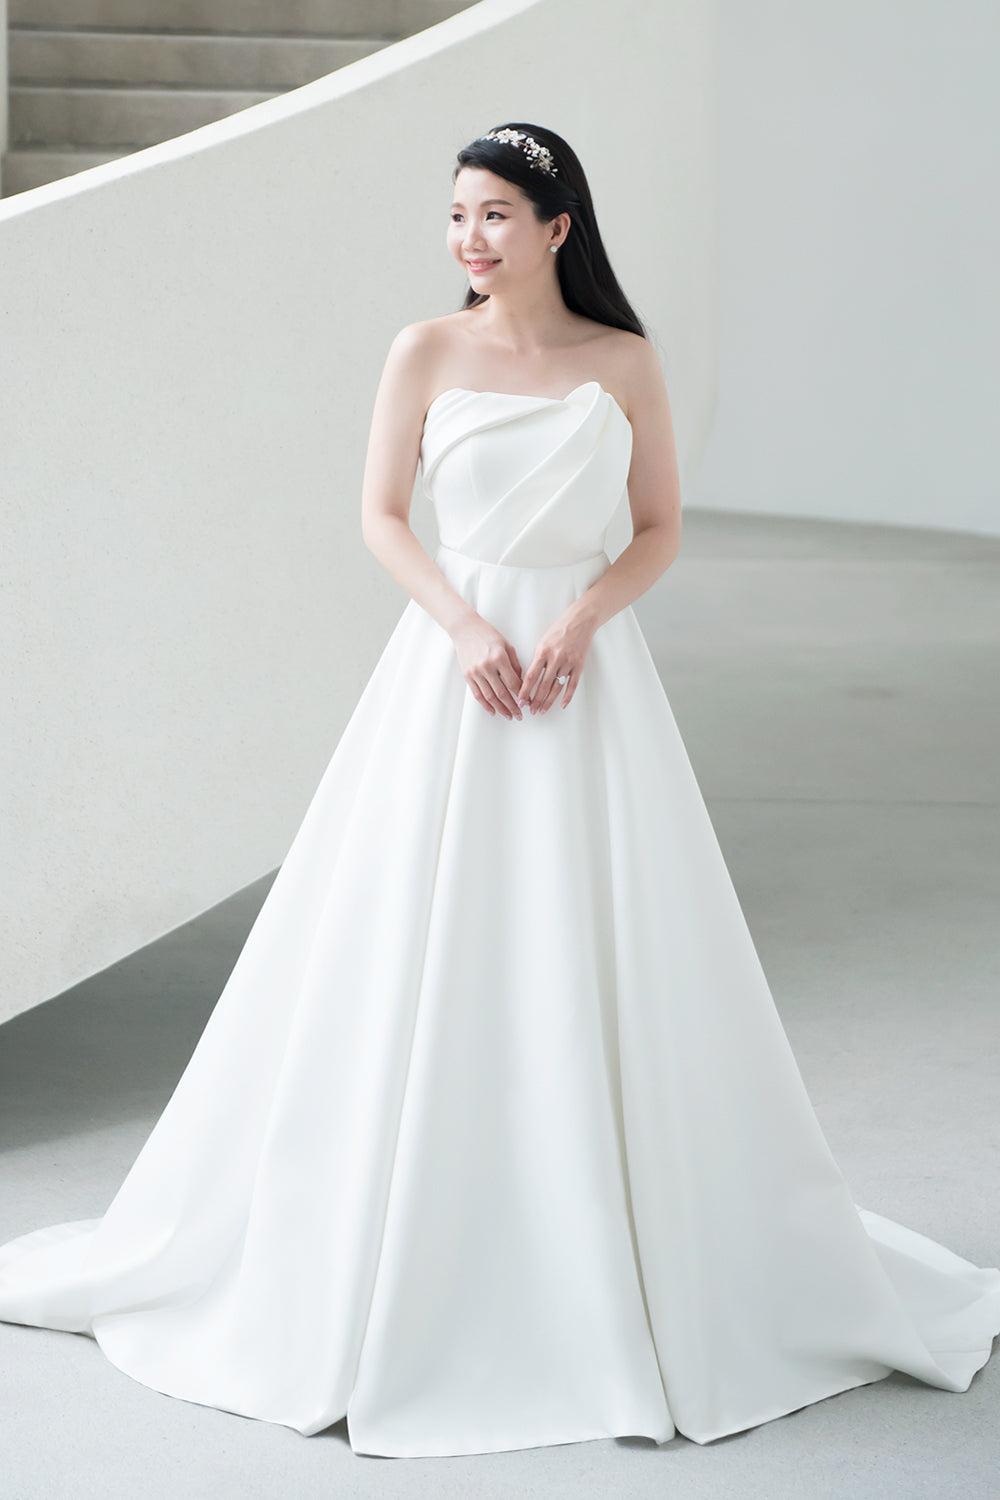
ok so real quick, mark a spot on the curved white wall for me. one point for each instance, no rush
(191, 342)
(860, 232)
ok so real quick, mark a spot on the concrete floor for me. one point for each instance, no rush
(836, 687)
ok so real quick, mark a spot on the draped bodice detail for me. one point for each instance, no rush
(539, 484)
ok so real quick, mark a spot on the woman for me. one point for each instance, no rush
(494, 1138)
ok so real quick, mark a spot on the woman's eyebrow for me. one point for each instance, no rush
(505, 201)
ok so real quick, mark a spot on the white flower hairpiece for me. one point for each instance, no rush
(539, 156)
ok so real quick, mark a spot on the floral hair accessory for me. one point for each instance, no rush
(539, 156)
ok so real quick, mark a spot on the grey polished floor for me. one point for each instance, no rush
(837, 690)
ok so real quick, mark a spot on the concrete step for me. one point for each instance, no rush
(331, 18)
(33, 166)
(119, 116)
(64, 58)
(93, 80)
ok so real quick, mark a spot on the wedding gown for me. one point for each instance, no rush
(494, 1138)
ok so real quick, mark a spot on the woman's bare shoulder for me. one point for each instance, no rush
(625, 363)
(419, 349)
(434, 334)
(638, 369)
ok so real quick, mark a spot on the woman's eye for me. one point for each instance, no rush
(490, 211)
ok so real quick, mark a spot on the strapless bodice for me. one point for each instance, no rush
(532, 481)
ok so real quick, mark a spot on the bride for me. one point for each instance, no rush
(517, 335)
(494, 1138)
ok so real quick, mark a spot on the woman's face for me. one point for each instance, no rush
(493, 233)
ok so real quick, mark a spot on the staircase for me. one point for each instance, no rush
(93, 80)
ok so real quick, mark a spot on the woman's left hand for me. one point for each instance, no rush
(561, 650)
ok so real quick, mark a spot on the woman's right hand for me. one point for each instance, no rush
(490, 666)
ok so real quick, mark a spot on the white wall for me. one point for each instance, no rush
(191, 341)
(860, 321)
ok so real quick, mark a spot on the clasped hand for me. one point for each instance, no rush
(491, 668)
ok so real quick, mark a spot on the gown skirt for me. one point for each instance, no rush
(494, 1138)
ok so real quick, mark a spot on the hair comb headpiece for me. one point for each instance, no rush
(538, 156)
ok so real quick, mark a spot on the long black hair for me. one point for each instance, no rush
(588, 284)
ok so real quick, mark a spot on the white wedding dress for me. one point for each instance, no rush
(494, 1138)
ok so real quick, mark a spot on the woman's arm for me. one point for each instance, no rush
(390, 472)
(654, 495)
(488, 661)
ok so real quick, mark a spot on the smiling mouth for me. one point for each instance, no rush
(481, 265)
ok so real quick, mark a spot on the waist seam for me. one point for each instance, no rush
(483, 562)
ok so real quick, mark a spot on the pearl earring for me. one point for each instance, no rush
(553, 248)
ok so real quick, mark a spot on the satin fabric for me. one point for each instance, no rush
(494, 1138)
